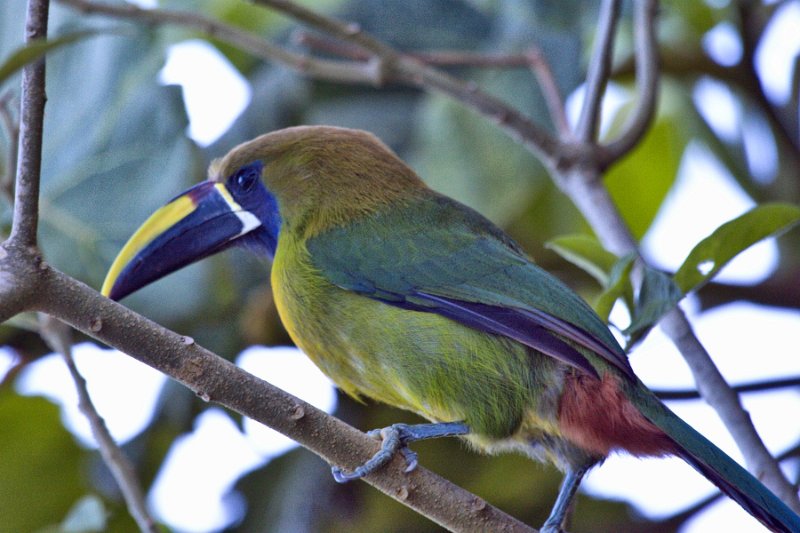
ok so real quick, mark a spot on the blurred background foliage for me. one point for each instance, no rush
(116, 148)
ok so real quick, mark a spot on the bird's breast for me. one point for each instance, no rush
(419, 361)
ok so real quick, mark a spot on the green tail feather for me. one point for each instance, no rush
(719, 468)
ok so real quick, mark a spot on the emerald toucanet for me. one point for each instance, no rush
(406, 296)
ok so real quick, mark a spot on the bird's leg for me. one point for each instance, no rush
(396, 438)
(566, 493)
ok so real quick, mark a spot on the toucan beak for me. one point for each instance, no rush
(198, 223)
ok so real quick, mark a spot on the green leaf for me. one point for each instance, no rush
(618, 286)
(41, 475)
(585, 252)
(36, 49)
(657, 296)
(731, 238)
(641, 180)
(612, 272)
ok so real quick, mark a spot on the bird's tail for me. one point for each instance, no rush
(719, 468)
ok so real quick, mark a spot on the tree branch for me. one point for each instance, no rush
(57, 335)
(27, 283)
(213, 378)
(334, 71)
(725, 401)
(385, 66)
(26, 204)
(584, 188)
(779, 290)
(533, 60)
(552, 96)
(399, 68)
(755, 386)
(644, 14)
(599, 68)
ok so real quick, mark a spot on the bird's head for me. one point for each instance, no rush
(305, 179)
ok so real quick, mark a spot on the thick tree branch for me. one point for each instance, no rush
(58, 337)
(26, 205)
(28, 284)
(213, 378)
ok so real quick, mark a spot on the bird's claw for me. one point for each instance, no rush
(411, 458)
(550, 528)
(394, 439)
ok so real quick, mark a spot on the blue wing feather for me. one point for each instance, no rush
(436, 255)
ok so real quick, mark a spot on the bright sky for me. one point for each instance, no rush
(747, 342)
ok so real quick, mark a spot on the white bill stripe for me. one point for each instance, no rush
(249, 220)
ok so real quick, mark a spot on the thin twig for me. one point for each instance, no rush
(57, 335)
(438, 58)
(644, 13)
(385, 66)
(754, 386)
(599, 68)
(335, 71)
(533, 59)
(26, 203)
(399, 68)
(552, 96)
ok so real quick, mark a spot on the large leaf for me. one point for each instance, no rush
(41, 475)
(660, 293)
(733, 237)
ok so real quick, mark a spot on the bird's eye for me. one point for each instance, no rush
(246, 178)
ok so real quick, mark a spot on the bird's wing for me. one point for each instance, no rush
(436, 255)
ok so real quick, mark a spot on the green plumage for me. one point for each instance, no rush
(446, 372)
(405, 296)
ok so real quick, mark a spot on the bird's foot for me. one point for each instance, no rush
(396, 438)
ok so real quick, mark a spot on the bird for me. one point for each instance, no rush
(408, 297)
